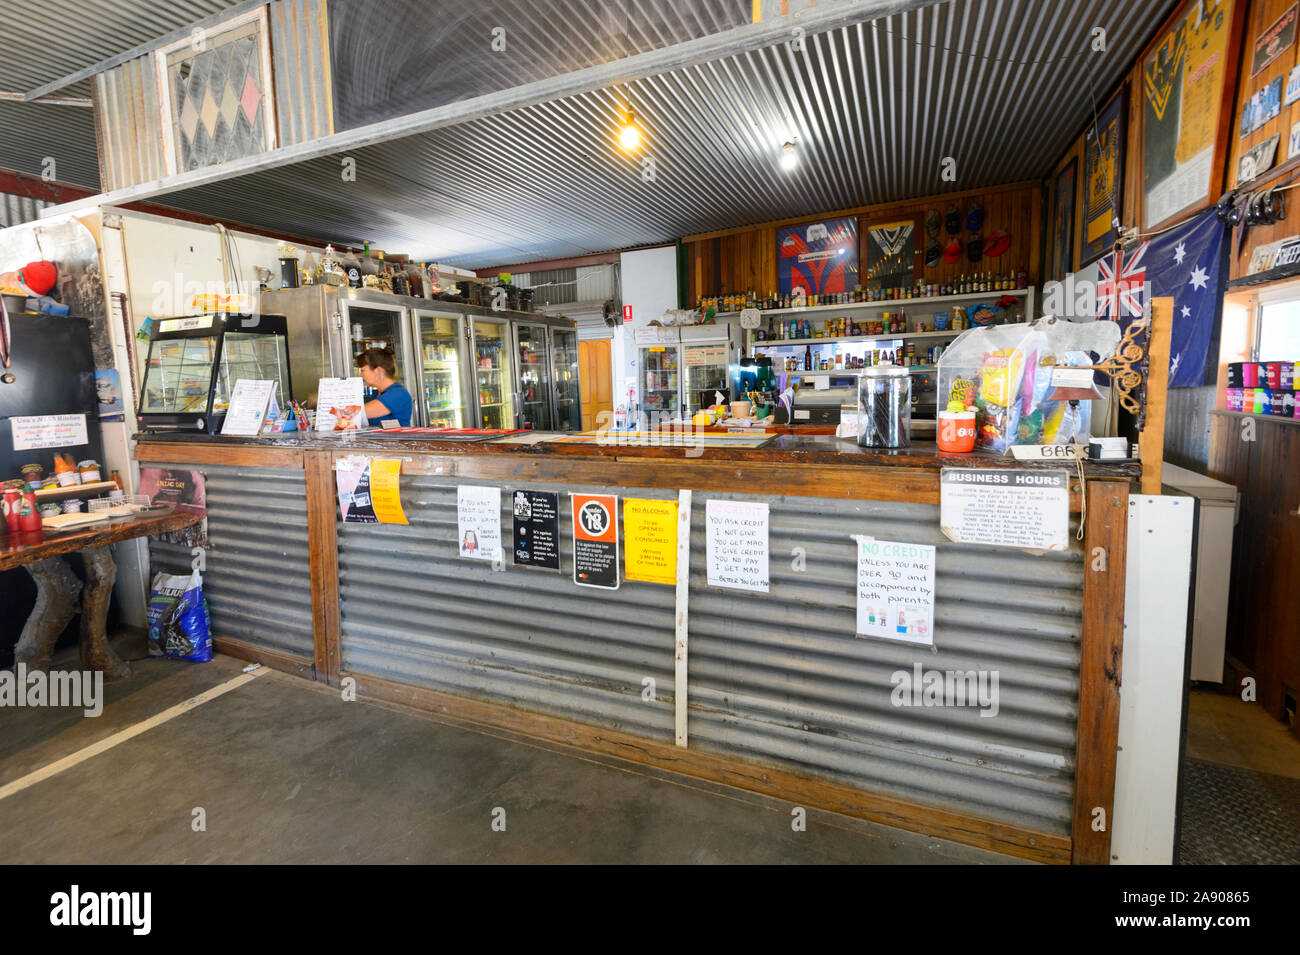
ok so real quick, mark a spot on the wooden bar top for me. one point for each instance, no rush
(27, 547)
(787, 448)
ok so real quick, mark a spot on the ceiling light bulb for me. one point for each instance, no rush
(630, 135)
(789, 158)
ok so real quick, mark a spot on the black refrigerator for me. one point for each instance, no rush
(50, 372)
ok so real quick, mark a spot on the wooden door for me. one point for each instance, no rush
(597, 373)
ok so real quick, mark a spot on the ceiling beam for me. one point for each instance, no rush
(743, 39)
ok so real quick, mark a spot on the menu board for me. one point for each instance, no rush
(595, 540)
(48, 431)
(249, 400)
(736, 534)
(340, 404)
(895, 590)
(537, 528)
(650, 532)
(1009, 508)
(478, 521)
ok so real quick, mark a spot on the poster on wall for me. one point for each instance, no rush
(1103, 157)
(185, 489)
(1182, 94)
(819, 257)
(595, 540)
(1274, 41)
(537, 528)
(895, 590)
(1063, 220)
(108, 388)
(368, 490)
(891, 254)
(478, 522)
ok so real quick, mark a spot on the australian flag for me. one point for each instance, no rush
(1183, 264)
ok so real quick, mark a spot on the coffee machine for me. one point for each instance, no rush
(753, 380)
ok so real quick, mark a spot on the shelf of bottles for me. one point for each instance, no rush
(440, 357)
(534, 377)
(492, 375)
(973, 287)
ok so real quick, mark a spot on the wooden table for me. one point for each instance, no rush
(57, 588)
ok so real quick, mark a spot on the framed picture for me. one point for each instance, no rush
(1274, 41)
(1184, 119)
(1103, 180)
(819, 257)
(1063, 220)
(891, 254)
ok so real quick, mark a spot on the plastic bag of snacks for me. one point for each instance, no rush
(179, 625)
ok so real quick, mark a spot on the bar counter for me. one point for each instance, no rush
(781, 697)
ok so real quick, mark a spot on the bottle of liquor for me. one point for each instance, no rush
(807, 358)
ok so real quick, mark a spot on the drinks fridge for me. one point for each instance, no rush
(442, 344)
(466, 366)
(493, 373)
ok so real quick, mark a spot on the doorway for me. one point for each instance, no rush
(596, 368)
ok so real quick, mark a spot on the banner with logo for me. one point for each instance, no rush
(819, 257)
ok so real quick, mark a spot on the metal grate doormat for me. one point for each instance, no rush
(1235, 816)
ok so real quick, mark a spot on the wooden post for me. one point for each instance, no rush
(681, 613)
(1100, 654)
(322, 541)
(1151, 443)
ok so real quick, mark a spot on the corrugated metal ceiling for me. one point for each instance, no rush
(44, 42)
(1001, 86)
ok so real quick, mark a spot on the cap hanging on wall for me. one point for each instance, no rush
(997, 243)
(952, 220)
(932, 253)
(933, 221)
(952, 251)
(975, 247)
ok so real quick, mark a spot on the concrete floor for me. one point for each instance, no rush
(286, 772)
(1222, 728)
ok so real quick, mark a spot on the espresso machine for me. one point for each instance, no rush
(753, 380)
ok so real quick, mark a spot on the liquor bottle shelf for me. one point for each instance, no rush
(888, 302)
(886, 337)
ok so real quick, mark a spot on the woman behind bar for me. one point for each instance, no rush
(393, 403)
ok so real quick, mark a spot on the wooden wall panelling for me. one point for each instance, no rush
(737, 260)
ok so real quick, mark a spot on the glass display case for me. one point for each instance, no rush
(194, 362)
(568, 394)
(534, 377)
(441, 344)
(706, 375)
(661, 379)
(493, 374)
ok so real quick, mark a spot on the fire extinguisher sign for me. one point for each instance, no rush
(595, 540)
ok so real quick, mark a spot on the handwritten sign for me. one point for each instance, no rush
(48, 431)
(1008, 508)
(736, 543)
(650, 533)
(478, 521)
(895, 590)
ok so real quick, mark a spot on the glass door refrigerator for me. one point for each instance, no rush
(568, 396)
(707, 354)
(659, 363)
(377, 325)
(442, 344)
(493, 372)
(534, 391)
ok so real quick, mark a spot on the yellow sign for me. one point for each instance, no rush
(383, 490)
(650, 540)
